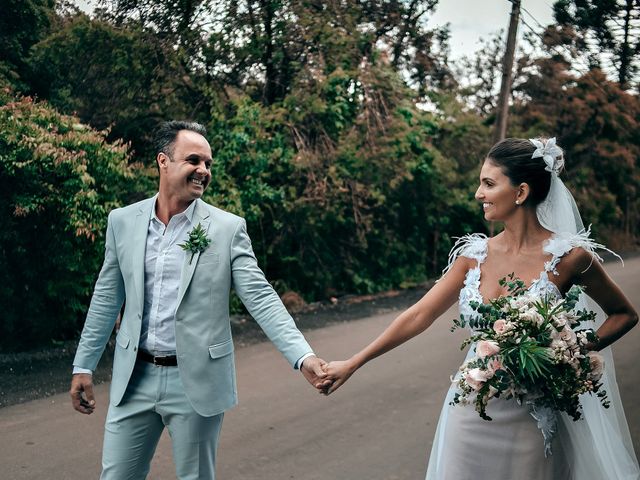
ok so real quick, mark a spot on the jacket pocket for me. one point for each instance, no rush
(209, 258)
(221, 349)
(122, 339)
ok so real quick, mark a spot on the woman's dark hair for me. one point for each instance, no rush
(165, 135)
(513, 155)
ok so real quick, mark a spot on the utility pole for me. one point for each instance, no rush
(507, 68)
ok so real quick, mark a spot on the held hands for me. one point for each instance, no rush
(337, 373)
(327, 377)
(313, 370)
(81, 393)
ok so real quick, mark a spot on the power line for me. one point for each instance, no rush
(539, 36)
(553, 48)
(567, 51)
(534, 18)
(612, 65)
(583, 74)
(575, 60)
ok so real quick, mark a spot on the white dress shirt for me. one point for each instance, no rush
(163, 261)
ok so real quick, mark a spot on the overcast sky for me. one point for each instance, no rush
(469, 19)
(472, 19)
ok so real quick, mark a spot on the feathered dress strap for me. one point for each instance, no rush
(562, 243)
(472, 245)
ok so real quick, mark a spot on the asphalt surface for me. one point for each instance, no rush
(378, 426)
(45, 371)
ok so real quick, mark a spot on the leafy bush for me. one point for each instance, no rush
(58, 181)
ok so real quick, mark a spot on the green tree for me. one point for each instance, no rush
(313, 116)
(22, 24)
(126, 80)
(606, 28)
(58, 181)
(341, 185)
(595, 122)
(261, 47)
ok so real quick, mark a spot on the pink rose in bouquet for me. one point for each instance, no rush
(500, 326)
(486, 348)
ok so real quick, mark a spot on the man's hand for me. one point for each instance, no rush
(81, 393)
(313, 370)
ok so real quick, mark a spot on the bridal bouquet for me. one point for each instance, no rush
(530, 348)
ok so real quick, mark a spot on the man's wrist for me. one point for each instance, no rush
(303, 358)
(85, 371)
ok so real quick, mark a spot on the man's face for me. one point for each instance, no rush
(187, 173)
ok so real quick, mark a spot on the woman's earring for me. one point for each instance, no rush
(517, 202)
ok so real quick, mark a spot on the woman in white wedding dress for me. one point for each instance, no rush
(544, 244)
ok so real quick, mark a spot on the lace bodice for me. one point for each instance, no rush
(474, 246)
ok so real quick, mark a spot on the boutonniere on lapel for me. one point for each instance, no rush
(197, 242)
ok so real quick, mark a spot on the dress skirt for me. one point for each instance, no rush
(511, 447)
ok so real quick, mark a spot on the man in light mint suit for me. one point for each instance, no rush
(173, 363)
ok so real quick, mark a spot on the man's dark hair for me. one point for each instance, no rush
(165, 136)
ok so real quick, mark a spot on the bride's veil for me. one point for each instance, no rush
(599, 445)
(559, 212)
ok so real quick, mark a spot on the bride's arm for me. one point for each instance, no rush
(621, 316)
(407, 325)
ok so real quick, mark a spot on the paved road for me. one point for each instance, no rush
(379, 426)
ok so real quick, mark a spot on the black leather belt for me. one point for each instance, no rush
(166, 361)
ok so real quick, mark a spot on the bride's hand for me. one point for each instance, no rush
(339, 372)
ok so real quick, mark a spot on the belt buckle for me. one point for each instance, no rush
(155, 361)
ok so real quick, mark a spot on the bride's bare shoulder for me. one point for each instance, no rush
(578, 260)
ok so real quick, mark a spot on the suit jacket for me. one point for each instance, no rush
(203, 332)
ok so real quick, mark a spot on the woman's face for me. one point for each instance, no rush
(497, 194)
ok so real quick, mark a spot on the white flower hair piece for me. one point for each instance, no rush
(550, 153)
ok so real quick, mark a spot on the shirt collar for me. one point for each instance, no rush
(187, 213)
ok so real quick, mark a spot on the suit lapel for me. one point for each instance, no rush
(200, 215)
(139, 245)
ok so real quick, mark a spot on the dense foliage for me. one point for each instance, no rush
(340, 131)
(608, 34)
(596, 122)
(58, 181)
